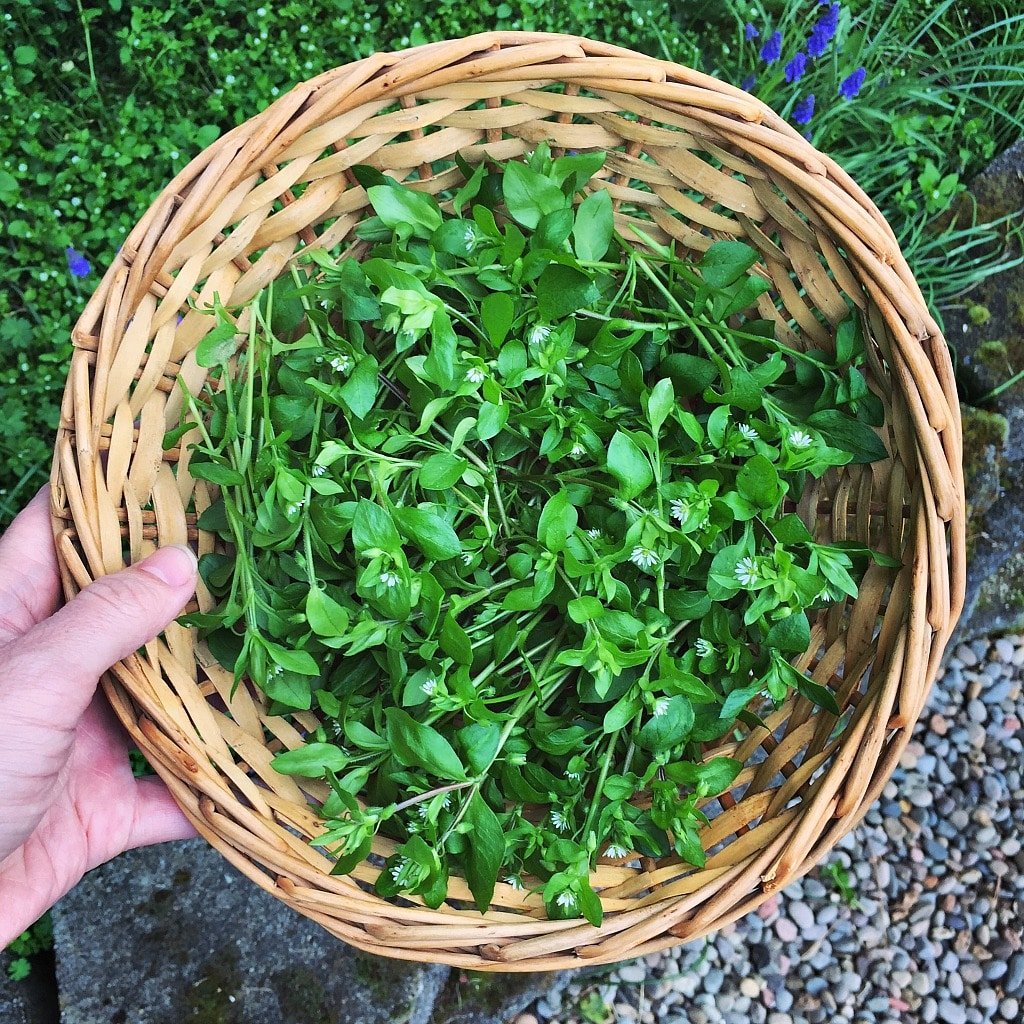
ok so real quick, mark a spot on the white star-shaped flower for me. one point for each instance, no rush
(645, 558)
(319, 470)
(703, 648)
(466, 558)
(558, 820)
(660, 707)
(475, 375)
(594, 534)
(566, 900)
(389, 579)
(428, 686)
(746, 571)
(680, 508)
(616, 852)
(538, 334)
(800, 439)
(577, 451)
(515, 881)
(749, 432)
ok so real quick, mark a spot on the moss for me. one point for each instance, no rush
(302, 997)
(992, 353)
(985, 435)
(211, 1000)
(980, 315)
(1004, 592)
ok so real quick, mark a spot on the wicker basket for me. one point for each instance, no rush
(697, 160)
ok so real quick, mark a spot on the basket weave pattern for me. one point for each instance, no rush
(694, 160)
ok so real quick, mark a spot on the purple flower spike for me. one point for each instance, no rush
(772, 49)
(750, 32)
(796, 67)
(824, 31)
(748, 83)
(77, 263)
(852, 84)
(804, 110)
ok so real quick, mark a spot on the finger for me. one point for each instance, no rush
(50, 673)
(29, 579)
(158, 819)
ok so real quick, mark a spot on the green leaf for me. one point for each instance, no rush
(849, 435)
(590, 905)
(623, 712)
(714, 776)
(218, 346)
(529, 195)
(557, 522)
(791, 634)
(441, 471)
(312, 760)
(419, 746)
(433, 535)
(669, 726)
(583, 609)
(848, 340)
(628, 464)
(725, 262)
(326, 617)
(496, 314)
(660, 404)
(24, 55)
(300, 662)
(562, 290)
(758, 482)
(491, 420)
(480, 742)
(401, 209)
(455, 641)
(360, 390)
(790, 530)
(363, 737)
(592, 232)
(373, 529)
(225, 476)
(485, 853)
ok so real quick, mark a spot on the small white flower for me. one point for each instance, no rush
(594, 534)
(341, 364)
(566, 900)
(422, 811)
(389, 579)
(446, 801)
(558, 820)
(515, 881)
(644, 557)
(703, 648)
(275, 670)
(660, 707)
(319, 470)
(616, 852)
(293, 509)
(428, 686)
(577, 450)
(67, 66)
(680, 508)
(748, 432)
(800, 439)
(575, 776)
(475, 375)
(538, 334)
(746, 571)
(398, 868)
(466, 558)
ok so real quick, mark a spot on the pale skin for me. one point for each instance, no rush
(68, 800)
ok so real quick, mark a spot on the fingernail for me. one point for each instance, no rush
(174, 565)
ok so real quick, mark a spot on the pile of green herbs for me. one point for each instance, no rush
(504, 504)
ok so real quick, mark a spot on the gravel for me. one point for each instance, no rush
(937, 868)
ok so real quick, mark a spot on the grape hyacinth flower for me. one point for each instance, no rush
(824, 31)
(750, 32)
(796, 67)
(804, 110)
(852, 84)
(772, 49)
(77, 263)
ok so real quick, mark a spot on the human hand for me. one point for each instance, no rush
(68, 800)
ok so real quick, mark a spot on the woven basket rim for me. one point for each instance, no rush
(112, 488)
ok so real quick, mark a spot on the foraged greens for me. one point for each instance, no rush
(504, 503)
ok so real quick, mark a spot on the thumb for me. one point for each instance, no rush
(51, 672)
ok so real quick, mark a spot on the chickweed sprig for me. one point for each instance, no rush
(507, 504)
